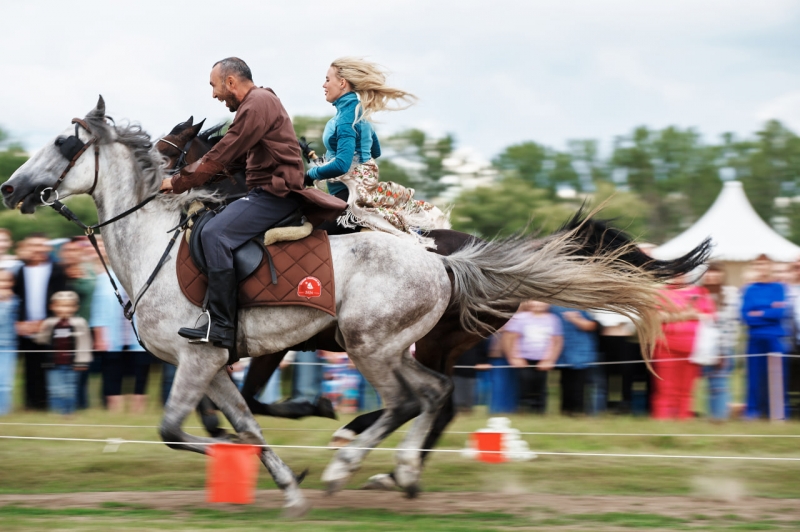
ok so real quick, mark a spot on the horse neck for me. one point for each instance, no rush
(133, 241)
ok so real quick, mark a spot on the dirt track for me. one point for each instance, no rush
(441, 502)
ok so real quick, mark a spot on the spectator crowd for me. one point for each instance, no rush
(60, 322)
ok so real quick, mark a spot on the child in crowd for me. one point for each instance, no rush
(67, 335)
(532, 340)
(8, 340)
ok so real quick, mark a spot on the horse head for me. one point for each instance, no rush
(66, 165)
(178, 144)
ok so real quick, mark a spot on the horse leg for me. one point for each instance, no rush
(261, 369)
(401, 405)
(348, 433)
(192, 378)
(227, 397)
(434, 390)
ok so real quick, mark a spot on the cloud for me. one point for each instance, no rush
(785, 108)
(492, 73)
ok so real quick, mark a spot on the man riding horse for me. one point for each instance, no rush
(262, 139)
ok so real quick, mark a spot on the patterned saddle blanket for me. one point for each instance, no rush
(304, 277)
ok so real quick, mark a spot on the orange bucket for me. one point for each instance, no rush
(232, 473)
(489, 441)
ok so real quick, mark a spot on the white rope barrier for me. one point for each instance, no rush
(505, 366)
(454, 432)
(115, 442)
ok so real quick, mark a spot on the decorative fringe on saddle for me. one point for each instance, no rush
(388, 207)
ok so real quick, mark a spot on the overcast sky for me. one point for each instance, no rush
(491, 72)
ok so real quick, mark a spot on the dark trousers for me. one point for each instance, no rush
(35, 379)
(241, 221)
(532, 388)
(464, 392)
(573, 385)
(82, 391)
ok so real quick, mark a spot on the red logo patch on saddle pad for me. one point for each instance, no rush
(309, 287)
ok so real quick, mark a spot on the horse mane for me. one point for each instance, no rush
(150, 163)
(212, 135)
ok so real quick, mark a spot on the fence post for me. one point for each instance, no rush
(777, 410)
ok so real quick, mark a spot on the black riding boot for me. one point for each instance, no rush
(222, 292)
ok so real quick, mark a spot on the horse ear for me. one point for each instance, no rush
(100, 110)
(189, 122)
(197, 127)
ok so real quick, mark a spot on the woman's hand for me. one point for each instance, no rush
(545, 365)
(166, 185)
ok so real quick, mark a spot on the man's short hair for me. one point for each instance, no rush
(233, 66)
(66, 295)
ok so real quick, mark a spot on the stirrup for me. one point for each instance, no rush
(208, 329)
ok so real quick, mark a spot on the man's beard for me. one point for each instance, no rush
(231, 101)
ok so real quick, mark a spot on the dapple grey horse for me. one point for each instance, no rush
(389, 293)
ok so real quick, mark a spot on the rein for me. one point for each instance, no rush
(72, 148)
(181, 161)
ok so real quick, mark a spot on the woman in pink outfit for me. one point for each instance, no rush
(672, 395)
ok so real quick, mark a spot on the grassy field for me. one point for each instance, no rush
(127, 517)
(31, 466)
(36, 467)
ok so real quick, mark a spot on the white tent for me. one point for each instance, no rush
(738, 233)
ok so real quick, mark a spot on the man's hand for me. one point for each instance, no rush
(28, 328)
(166, 185)
(755, 313)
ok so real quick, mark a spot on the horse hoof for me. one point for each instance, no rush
(382, 482)
(324, 408)
(296, 510)
(412, 491)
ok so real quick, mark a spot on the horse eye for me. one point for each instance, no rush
(60, 141)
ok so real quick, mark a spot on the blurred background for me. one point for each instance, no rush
(526, 108)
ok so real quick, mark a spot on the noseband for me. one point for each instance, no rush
(181, 162)
(72, 148)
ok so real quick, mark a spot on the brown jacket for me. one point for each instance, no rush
(262, 134)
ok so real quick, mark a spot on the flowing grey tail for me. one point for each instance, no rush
(586, 265)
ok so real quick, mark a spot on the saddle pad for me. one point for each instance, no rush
(294, 262)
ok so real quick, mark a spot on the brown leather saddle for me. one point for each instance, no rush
(298, 272)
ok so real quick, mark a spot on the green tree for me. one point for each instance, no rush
(768, 167)
(417, 161)
(511, 205)
(672, 171)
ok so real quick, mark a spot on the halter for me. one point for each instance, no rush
(72, 148)
(181, 161)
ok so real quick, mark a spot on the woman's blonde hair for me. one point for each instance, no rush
(368, 80)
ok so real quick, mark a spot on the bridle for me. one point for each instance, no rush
(181, 161)
(72, 148)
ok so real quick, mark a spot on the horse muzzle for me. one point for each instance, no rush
(23, 196)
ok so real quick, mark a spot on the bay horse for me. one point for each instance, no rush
(441, 347)
(389, 294)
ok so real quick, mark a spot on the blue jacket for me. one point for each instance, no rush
(761, 296)
(345, 142)
(580, 347)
